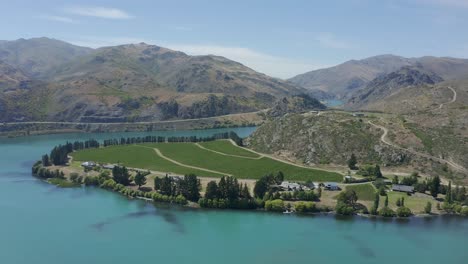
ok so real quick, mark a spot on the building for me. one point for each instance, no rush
(108, 166)
(88, 164)
(332, 186)
(402, 188)
(290, 186)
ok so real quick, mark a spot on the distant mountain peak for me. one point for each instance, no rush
(347, 78)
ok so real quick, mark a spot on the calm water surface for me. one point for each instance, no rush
(40, 223)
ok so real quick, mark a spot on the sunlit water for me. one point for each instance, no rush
(40, 223)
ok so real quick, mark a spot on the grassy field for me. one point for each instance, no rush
(143, 156)
(136, 157)
(365, 192)
(416, 204)
(226, 147)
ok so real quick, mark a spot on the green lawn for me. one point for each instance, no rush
(416, 204)
(189, 154)
(365, 192)
(227, 147)
(136, 157)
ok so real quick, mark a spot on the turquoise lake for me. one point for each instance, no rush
(43, 224)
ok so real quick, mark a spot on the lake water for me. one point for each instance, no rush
(43, 224)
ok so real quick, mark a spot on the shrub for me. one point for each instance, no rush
(180, 199)
(108, 184)
(274, 205)
(464, 211)
(428, 208)
(386, 212)
(91, 181)
(403, 212)
(344, 209)
(305, 207)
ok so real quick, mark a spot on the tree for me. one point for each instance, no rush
(166, 186)
(45, 160)
(140, 179)
(375, 207)
(395, 180)
(352, 162)
(157, 183)
(245, 193)
(398, 202)
(348, 197)
(386, 201)
(121, 175)
(261, 187)
(382, 191)
(377, 172)
(448, 194)
(434, 186)
(402, 201)
(428, 208)
(190, 187)
(212, 191)
(279, 178)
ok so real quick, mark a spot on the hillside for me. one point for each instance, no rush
(390, 84)
(36, 56)
(138, 82)
(394, 142)
(322, 139)
(10, 76)
(344, 79)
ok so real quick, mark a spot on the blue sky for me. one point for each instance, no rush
(279, 38)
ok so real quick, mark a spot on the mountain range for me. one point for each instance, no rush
(135, 82)
(43, 79)
(344, 80)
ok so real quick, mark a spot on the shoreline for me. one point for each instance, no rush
(21, 129)
(194, 205)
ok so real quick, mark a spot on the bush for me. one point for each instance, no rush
(428, 208)
(109, 184)
(305, 207)
(274, 205)
(403, 212)
(464, 211)
(91, 181)
(386, 212)
(180, 199)
(344, 209)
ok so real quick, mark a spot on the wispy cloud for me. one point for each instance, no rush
(58, 19)
(329, 40)
(100, 12)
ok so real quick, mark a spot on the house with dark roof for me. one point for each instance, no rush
(402, 188)
(332, 186)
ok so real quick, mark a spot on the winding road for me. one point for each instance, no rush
(384, 139)
(230, 155)
(453, 99)
(132, 123)
(159, 153)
